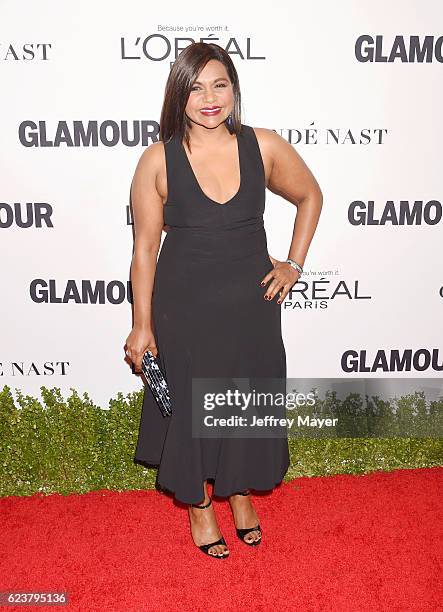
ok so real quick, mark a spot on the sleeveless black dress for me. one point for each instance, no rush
(210, 319)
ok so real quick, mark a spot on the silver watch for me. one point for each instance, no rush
(295, 265)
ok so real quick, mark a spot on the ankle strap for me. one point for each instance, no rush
(203, 506)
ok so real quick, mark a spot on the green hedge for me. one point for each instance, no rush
(69, 445)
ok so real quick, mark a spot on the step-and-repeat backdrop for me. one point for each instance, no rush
(356, 89)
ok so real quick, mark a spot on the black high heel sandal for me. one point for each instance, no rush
(205, 547)
(242, 532)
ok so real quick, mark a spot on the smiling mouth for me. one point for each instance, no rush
(211, 111)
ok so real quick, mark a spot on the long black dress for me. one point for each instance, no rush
(210, 320)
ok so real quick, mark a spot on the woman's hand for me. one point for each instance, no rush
(137, 343)
(273, 261)
(283, 276)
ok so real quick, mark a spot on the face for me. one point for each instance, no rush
(212, 88)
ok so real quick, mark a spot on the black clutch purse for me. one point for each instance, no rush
(157, 382)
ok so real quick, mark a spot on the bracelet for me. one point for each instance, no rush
(295, 265)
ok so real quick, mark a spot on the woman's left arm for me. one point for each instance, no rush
(291, 179)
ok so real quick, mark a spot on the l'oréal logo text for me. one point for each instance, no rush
(319, 292)
(43, 291)
(158, 47)
(402, 49)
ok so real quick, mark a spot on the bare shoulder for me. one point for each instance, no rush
(271, 142)
(151, 168)
(264, 134)
(152, 158)
(268, 142)
(287, 174)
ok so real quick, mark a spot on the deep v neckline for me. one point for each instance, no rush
(194, 177)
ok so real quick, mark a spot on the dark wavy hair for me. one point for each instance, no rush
(184, 72)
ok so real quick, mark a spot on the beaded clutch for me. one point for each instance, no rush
(157, 382)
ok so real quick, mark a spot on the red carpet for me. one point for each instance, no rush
(341, 543)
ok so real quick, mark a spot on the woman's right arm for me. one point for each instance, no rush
(147, 208)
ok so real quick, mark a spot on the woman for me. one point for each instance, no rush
(210, 316)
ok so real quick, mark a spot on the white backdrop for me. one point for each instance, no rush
(302, 66)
